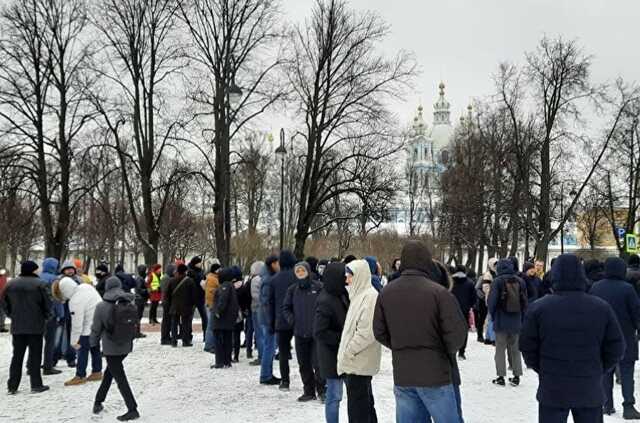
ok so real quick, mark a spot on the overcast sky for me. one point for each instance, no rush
(462, 41)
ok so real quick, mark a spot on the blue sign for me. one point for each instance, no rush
(621, 232)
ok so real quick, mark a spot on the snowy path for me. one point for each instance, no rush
(178, 385)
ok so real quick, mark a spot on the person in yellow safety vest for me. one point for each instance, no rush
(155, 294)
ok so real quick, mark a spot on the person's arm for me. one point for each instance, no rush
(287, 306)
(322, 327)
(452, 324)
(97, 327)
(494, 294)
(77, 322)
(45, 301)
(613, 344)
(363, 336)
(266, 295)
(222, 298)
(633, 305)
(530, 340)
(380, 328)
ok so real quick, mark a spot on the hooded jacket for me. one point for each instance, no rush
(266, 289)
(83, 300)
(226, 307)
(633, 273)
(359, 352)
(504, 321)
(103, 319)
(420, 322)
(299, 306)
(571, 339)
(49, 275)
(331, 311)
(197, 275)
(257, 269)
(465, 292)
(622, 297)
(278, 288)
(127, 280)
(166, 278)
(376, 281)
(27, 302)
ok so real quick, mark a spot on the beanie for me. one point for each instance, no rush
(28, 268)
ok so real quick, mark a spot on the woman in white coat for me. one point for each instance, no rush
(359, 354)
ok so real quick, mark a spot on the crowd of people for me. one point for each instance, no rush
(575, 325)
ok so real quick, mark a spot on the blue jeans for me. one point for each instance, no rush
(268, 351)
(417, 404)
(83, 358)
(209, 337)
(259, 333)
(332, 402)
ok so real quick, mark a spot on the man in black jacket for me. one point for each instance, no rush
(571, 340)
(331, 310)
(141, 296)
(465, 292)
(181, 297)
(28, 304)
(226, 311)
(279, 285)
(633, 272)
(197, 275)
(299, 311)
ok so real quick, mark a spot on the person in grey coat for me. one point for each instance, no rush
(114, 352)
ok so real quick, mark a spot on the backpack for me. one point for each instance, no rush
(513, 297)
(124, 320)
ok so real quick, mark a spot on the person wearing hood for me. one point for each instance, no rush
(211, 284)
(165, 325)
(181, 296)
(322, 266)
(465, 292)
(421, 323)
(102, 274)
(276, 322)
(82, 300)
(27, 302)
(622, 297)
(595, 272)
(480, 311)
(226, 310)
(257, 270)
(298, 309)
(330, 314)
(571, 340)
(546, 286)
(359, 353)
(313, 265)
(197, 275)
(141, 295)
(633, 272)
(127, 279)
(533, 283)
(155, 295)
(376, 280)
(55, 325)
(114, 350)
(69, 270)
(507, 304)
(268, 335)
(244, 302)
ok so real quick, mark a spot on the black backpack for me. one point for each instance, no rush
(124, 321)
(514, 298)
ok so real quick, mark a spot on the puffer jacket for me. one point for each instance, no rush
(211, 284)
(256, 283)
(83, 300)
(299, 306)
(359, 352)
(49, 275)
(103, 318)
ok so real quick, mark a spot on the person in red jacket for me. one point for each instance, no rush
(155, 293)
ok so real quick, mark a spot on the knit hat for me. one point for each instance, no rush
(182, 269)
(28, 268)
(102, 268)
(195, 261)
(528, 266)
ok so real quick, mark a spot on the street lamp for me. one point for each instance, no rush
(281, 152)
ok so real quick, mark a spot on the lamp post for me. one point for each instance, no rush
(281, 152)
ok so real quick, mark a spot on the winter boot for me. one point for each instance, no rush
(249, 355)
(97, 408)
(131, 415)
(284, 385)
(50, 372)
(514, 381)
(307, 398)
(76, 380)
(39, 389)
(630, 413)
(273, 381)
(95, 377)
(608, 411)
(499, 381)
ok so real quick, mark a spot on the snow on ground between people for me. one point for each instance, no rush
(176, 384)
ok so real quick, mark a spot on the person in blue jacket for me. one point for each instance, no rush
(571, 339)
(271, 267)
(55, 324)
(376, 280)
(621, 296)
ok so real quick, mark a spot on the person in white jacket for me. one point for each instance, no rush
(82, 301)
(359, 354)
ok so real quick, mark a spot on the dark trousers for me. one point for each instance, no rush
(559, 415)
(202, 311)
(223, 341)
(626, 380)
(115, 370)
(141, 305)
(284, 349)
(463, 349)
(480, 316)
(20, 345)
(237, 334)
(165, 327)
(308, 364)
(249, 333)
(70, 353)
(153, 312)
(184, 322)
(360, 404)
(49, 359)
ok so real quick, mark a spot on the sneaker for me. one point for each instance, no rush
(131, 415)
(39, 389)
(76, 380)
(307, 398)
(284, 386)
(499, 381)
(255, 362)
(50, 372)
(514, 381)
(608, 411)
(140, 335)
(97, 408)
(273, 381)
(95, 377)
(630, 413)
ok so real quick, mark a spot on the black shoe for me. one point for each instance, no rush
(514, 381)
(608, 411)
(307, 398)
(12, 391)
(71, 364)
(165, 343)
(235, 360)
(39, 389)
(4, 330)
(276, 357)
(49, 372)
(217, 366)
(273, 381)
(481, 339)
(284, 386)
(140, 335)
(249, 355)
(131, 415)
(630, 413)
(188, 344)
(227, 366)
(174, 344)
(461, 356)
(499, 381)
(97, 408)
(255, 362)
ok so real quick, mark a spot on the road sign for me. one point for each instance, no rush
(632, 244)
(621, 232)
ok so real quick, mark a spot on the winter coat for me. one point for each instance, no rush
(299, 305)
(257, 269)
(265, 294)
(533, 285)
(181, 296)
(210, 286)
(571, 339)
(49, 275)
(277, 291)
(141, 290)
(504, 321)
(376, 282)
(127, 279)
(102, 283)
(420, 322)
(197, 275)
(243, 290)
(621, 296)
(153, 285)
(331, 310)
(226, 307)
(28, 303)
(546, 286)
(633, 277)
(103, 319)
(83, 300)
(595, 272)
(359, 352)
(465, 292)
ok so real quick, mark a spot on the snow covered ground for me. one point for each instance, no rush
(176, 384)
